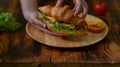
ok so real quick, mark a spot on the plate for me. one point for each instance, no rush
(67, 42)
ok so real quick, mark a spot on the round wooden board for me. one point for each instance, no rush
(67, 42)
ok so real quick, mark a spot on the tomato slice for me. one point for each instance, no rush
(96, 27)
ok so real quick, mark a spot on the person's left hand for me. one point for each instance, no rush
(59, 3)
(80, 7)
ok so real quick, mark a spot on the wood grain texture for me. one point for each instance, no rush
(18, 46)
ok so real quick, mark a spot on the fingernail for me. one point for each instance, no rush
(44, 26)
(75, 15)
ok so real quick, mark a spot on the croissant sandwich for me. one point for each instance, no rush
(61, 20)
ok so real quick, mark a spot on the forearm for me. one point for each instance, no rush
(29, 5)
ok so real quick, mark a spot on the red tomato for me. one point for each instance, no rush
(100, 8)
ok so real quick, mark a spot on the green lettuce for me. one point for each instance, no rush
(56, 26)
(61, 27)
(42, 15)
(7, 22)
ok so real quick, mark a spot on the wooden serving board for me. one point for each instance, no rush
(67, 42)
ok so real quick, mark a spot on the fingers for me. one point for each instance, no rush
(77, 8)
(32, 18)
(80, 7)
(59, 3)
(85, 10)
(75, 5)
(43, 29)
(35, 21)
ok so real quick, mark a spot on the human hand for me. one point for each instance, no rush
(30, 13)
(80, 7)
(31, 17)
(59, 3)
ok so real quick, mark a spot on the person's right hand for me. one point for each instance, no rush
(29, 8)
(31, 17)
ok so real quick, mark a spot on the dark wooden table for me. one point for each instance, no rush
(18, 46)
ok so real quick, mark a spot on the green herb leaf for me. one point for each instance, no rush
(42, 15)
(7, 22)
(61, 27)
(56, 26)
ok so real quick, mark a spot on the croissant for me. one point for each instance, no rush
(63, 14)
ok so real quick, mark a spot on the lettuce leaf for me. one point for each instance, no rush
(61, 27)
(7, 22)
(42, 15)
(56, 26)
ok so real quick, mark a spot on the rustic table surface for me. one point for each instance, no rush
(18, 46)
